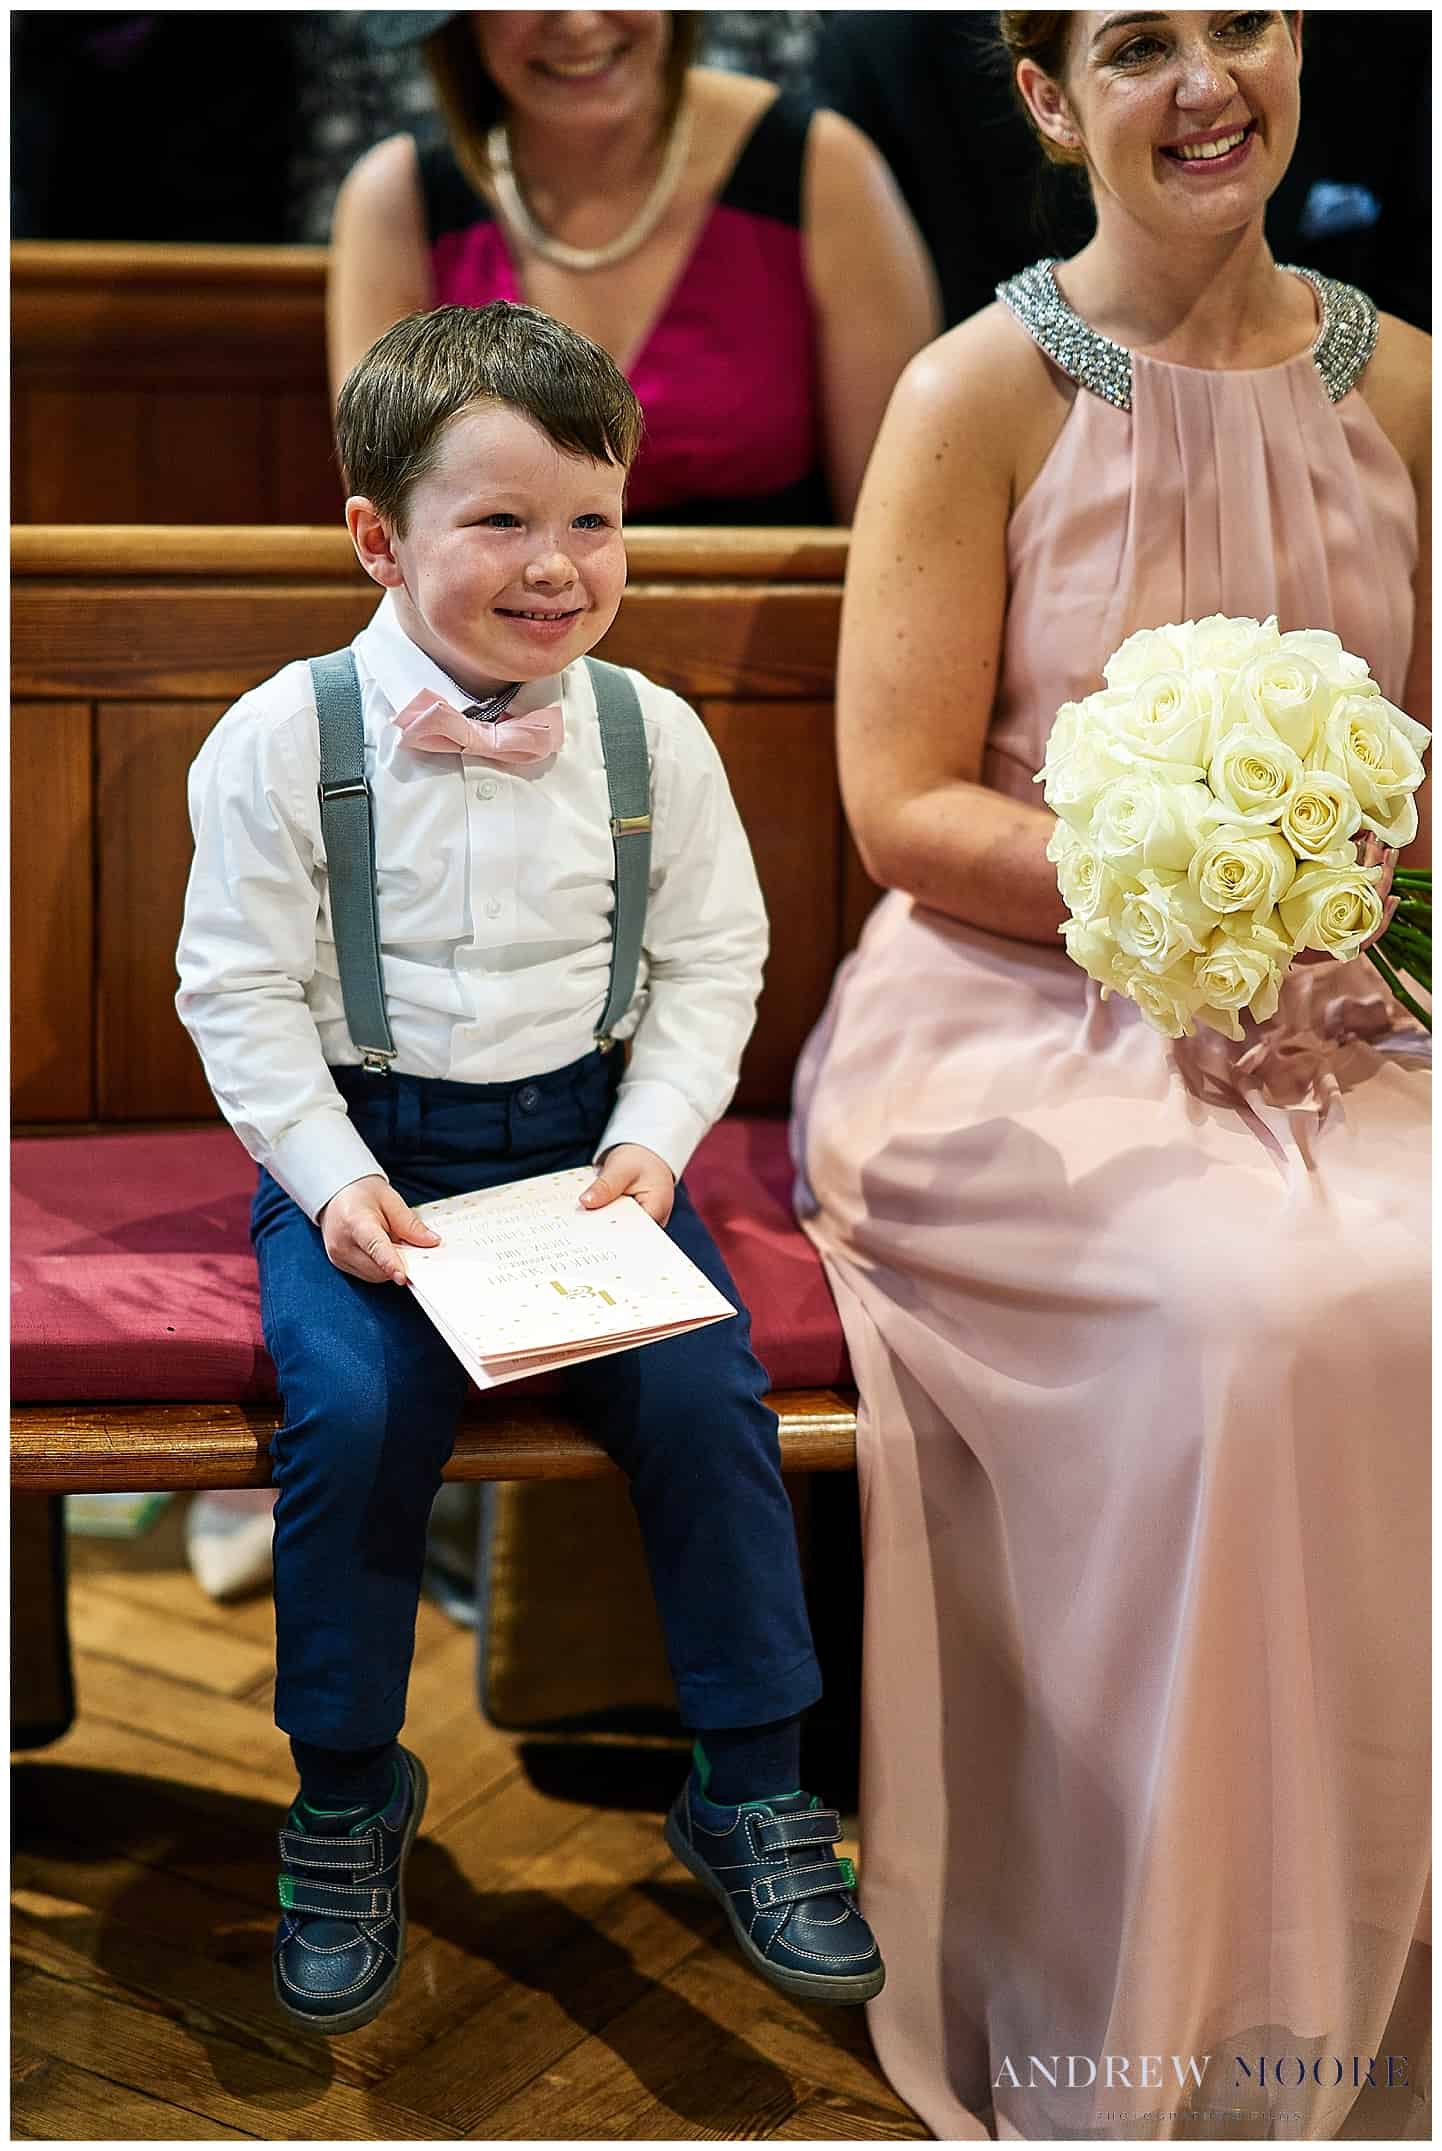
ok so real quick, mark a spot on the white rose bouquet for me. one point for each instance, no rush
(1221, 805)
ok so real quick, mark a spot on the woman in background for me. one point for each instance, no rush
(1140, 1330)
(747, 260)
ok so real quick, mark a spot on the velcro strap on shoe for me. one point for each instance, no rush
(354, 1854)
(817, 1826)
(331, 1900)
(791, 1884)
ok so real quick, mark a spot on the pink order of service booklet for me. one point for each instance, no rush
(526, 1280)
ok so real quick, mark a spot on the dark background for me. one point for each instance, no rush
(240, 127)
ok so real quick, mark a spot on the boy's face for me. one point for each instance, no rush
(513, 562)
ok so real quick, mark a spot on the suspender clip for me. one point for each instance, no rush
(376, 1061)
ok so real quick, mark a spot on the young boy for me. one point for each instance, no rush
(486, 453)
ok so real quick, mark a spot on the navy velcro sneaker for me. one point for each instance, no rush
(339, 1947)
(788, 1899)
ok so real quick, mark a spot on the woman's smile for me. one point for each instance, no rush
(1222, 150)
(589, 69)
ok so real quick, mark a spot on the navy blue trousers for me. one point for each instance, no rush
(372, 1395)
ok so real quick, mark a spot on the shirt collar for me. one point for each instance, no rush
(401, 669)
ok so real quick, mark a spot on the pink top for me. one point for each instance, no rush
(727, 375)
(1245, 493)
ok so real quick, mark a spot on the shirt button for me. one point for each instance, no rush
(487, 790)
(493, 909)
(528, 1098)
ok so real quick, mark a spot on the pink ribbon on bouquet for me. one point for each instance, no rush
(429, 722)
(1303, 1058)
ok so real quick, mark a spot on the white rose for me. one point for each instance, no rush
(1151, 820)
(1335, 908)
(1242, 967)
(1338, 667)
(1151, 649)
(1226, 644)
(1363, 744)
(1086, 882)
(1168, 1000)
(1094, 949)
(1160, 922)
(1074, 778)
(1241, 869)
(1284, 693)
(1063, 736)
(1162, 719)
(1417, 736)
(1252, 775)
(1321, 814)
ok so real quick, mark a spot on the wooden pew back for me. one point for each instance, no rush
(169, 384)
(127, 645)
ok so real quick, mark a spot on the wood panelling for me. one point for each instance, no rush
(51, 911)
(67, 446)
(305, 486)
(190, 641)
(146, 1064)
(141, 641)
(782, 770)
(119, 1448)
(169, 384)
(653, 555)
(200, 449)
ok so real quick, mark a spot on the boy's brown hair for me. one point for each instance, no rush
(397, 401)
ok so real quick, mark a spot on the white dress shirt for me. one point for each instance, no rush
(494, 890)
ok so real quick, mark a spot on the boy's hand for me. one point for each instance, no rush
(630, 1169)
(359, 1225)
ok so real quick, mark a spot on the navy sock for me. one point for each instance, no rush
(749, 1762)
(335, 1778)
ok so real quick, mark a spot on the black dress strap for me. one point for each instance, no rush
(766, 176)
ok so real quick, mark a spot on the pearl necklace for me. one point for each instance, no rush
(637, 232)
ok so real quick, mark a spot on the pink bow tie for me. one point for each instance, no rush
(429, 722)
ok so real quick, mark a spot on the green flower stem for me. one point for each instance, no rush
(1408, 937)
(1375, 956)
(1406, 931)
(1410, 955)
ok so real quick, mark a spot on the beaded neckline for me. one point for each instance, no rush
(1342, 347)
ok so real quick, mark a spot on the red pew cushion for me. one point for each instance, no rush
(132, 1277)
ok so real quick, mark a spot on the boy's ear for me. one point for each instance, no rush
(371, 536)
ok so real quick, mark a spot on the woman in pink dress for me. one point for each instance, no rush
(747, 260)
(1140, 1330)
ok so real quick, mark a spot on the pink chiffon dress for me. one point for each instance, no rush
(1141, 1338)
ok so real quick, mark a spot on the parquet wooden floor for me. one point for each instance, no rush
(564, 1978)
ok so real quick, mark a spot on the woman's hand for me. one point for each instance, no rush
(1371, 851)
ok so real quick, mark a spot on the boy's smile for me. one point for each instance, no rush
(512, 563)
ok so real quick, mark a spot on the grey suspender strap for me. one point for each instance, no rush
(628, 777)
(348, 832)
